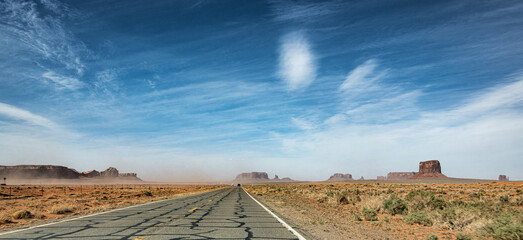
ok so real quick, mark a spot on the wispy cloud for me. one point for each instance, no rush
(106, 82)
(366, 96)
(495, 100)
(63, 82)
(362, 78)
(297, 62)
(24, 115)
(302, 10)
(302, 123)
(42, 33)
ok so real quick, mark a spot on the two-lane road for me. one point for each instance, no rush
(228, 213)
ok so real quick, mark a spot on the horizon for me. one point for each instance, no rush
(207, 90)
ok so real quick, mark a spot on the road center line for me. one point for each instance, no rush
(297, 234)
(192, 210)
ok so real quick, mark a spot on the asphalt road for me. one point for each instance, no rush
(222, 214)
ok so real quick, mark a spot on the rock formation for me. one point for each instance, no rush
(38, 171)
(340, 177)
(110, 172)
(258, 177)
(380, 178)
(429, 169)
(400, 175)
(127, 175)
(361, 178)
(503, 178)
(92, 173)
(59, 172)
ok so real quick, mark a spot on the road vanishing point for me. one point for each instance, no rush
(229, 213)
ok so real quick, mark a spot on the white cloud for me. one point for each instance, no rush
(21, 114)
(63, 81)
(362, 77)
(297, 63)
(302, 123)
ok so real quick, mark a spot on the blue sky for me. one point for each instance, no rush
(203, 90)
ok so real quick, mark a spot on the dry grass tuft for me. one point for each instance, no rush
(62, 208)
(5, 218)
(372, 202)
(22, 214)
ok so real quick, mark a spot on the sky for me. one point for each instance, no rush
(204, 90)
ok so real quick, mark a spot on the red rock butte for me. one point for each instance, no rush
(429, 169)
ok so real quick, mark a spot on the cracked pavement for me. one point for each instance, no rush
(221, 214)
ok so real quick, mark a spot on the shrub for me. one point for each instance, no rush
(342, 199)
(503, 228)
(369, 214)
(432, 237)
(457, 218)
(395, 205)
(419, 200)
(438, 203)
(504, 198)
(357, 217)
(462, 236)
(418, 218)
(22, 214)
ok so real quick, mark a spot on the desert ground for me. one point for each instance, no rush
(25, 205)
(383, 210)
(435, 209)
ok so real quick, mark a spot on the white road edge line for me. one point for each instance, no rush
(297, 234)
(91, 215)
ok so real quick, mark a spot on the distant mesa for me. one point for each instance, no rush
(400, 175)
(262, 176)
(258, 177)
(380, 178)
(61, 172)
(361, 178)
(429, 169)
(503, 178)
(338, 177)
